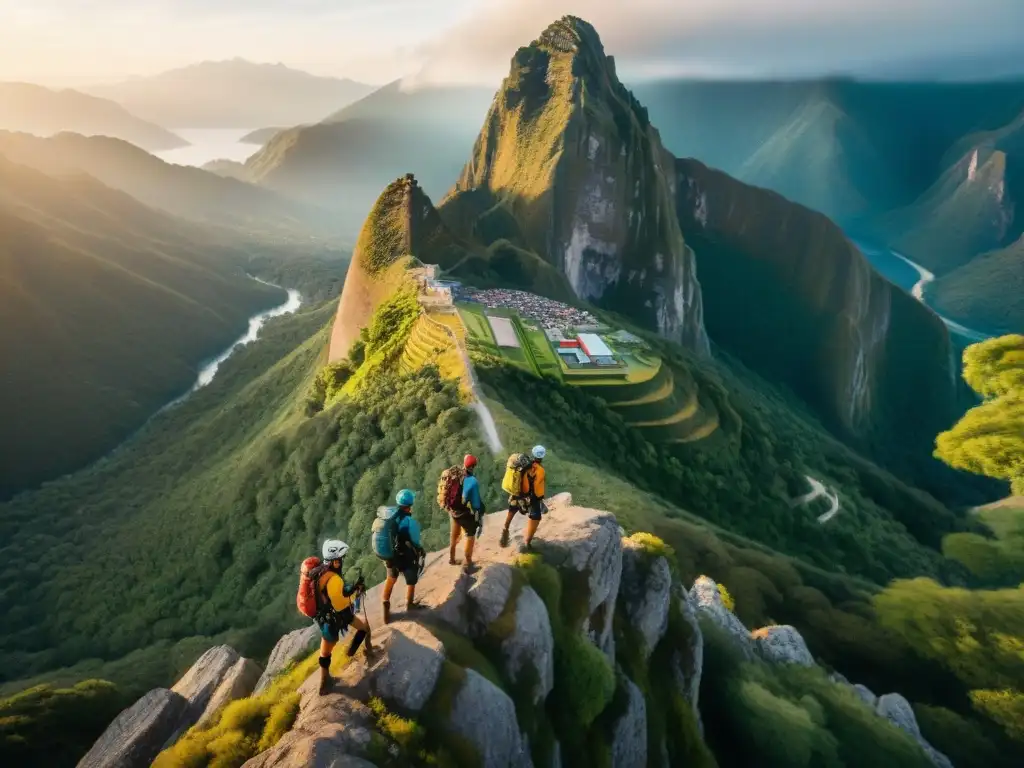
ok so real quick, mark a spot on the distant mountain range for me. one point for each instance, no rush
(42, 111)
(190, 193)
(233, 94)
(107, 307)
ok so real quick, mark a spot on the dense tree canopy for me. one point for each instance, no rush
(989, 439)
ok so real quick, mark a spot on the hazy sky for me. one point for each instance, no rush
(81, 41)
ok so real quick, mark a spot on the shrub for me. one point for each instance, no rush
(963, 741)
(584, 678)
(1005, 707)
(727, 600)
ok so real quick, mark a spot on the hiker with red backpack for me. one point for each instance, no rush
(324, 597)
(396, 540)
(458, 493)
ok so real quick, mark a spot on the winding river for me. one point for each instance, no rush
(256, 322)
(914, 278)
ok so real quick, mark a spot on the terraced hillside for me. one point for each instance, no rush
(661, 400)
(433, 341)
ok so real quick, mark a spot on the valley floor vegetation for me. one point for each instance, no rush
(168, 551)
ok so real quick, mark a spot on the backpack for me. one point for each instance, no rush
(307, 599)
(512, 483)
(449, 489)
(384, 533)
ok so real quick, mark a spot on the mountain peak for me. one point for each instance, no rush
(570, 34)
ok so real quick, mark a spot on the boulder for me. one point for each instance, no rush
(403, 672)
(531, 645)
(289, 648)
(629, 734)
(488, 594)
(485, 716)
(707, 601)
(866, 695)
(646, 590)
(330, 732)
(239, 681)
(897, 710)
(588, 541)
(204, 677)
(139, 733)
(782, 644)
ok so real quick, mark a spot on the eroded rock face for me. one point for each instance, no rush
(404, 671)
(588, 542)
(138, 734)
(688, 663)
(239, 681)
(204, 677)
(897, 710)
(707, 601)
(289, 648)
(629, 738)
(530, 649)
(866, 695)
(330, 732)
(485, 716)
(646, 590)
(782, 645)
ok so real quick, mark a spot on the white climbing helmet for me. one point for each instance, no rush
(539, 452)
(335, 549)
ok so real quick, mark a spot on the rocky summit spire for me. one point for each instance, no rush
(569, 155)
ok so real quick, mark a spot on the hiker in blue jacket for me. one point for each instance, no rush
(468, 518)
(409, 554)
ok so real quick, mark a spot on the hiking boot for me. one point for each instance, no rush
(326, 681)
(387, 611)
(504, 538)
(470, 568)
(525, 547)
(454, 561)
(415, 605)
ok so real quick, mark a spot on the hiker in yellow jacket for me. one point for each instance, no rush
(339, 611)
(531, 500)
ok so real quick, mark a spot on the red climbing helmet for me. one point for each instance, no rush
(469, 462)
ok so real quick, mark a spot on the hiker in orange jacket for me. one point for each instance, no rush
(532, 499)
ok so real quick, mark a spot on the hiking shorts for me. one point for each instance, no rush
(467, 522)
(334, 626)
(523, 506)
(406, 568)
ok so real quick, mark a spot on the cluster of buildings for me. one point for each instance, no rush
(548, 313)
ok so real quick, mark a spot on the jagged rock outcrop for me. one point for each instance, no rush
(629, 735)
(237, 682)
(485, 716)
(647, 590)
(289, 648)
(569, 167)
(866, 695)
(530, 648)
(859, 350)
(782, 645)
(897, 710)
(139, 733)
(707, 601)
(217, 678)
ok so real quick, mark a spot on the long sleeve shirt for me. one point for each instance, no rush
(471, 493)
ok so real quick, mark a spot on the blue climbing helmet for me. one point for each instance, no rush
(405, 498)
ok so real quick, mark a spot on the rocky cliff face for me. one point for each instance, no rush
(402, 223)
(786, 291)
(571, 155)
(500, 667)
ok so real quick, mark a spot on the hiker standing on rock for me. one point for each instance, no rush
(333, 604)
(396, 541)
(526, 486)
(459, 495)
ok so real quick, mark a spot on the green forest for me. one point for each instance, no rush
(192, 534)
